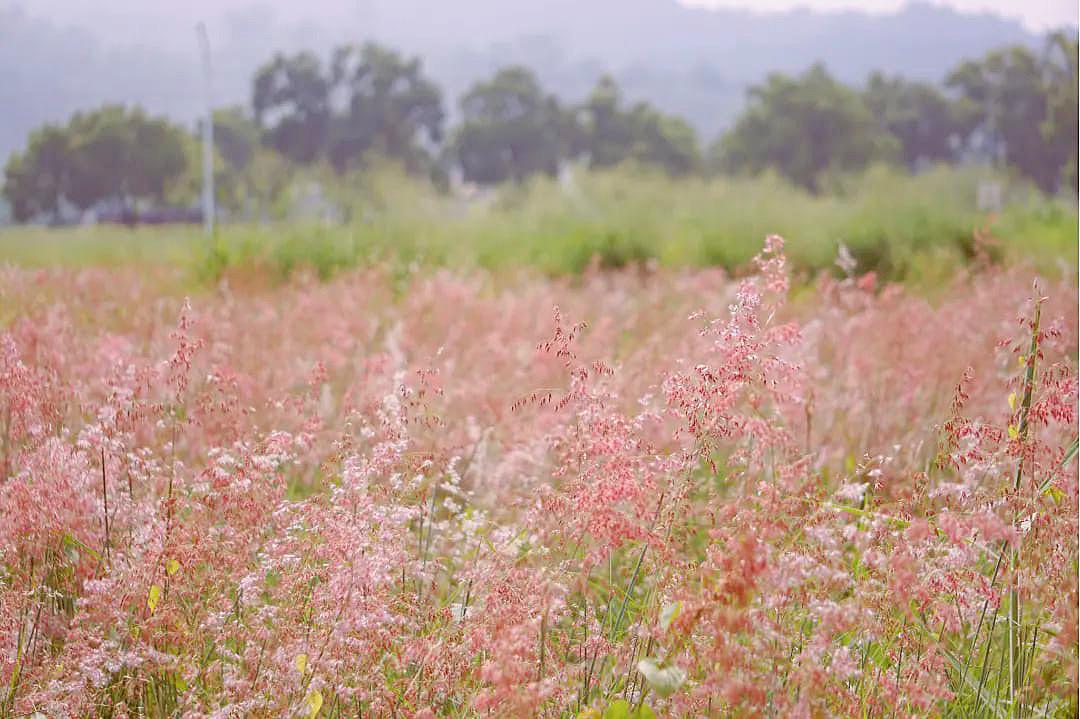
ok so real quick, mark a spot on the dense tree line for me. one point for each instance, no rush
(110, 153)
(1013, 107)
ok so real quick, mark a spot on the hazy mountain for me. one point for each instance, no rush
(57, 56)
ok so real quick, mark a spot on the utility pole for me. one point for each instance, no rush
(207, 135)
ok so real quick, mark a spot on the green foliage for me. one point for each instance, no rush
(804, 127)
(123, 153)
(917, 114)
(1012, 107)
(110, 153)
(607, 136)
(510, 129)
(291, 101)
(391, 106)
(914, 229)
(1025, 108)
(36, 181)
(665, 140)
(1060, 129)
(611, 135)
(370, 98)
(236, 137)
(250, 179)
(185, 189)
(266, 181)
(622, 709)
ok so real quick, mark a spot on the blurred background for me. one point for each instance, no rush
(552, 133)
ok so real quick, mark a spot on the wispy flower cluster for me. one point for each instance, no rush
(670, 495)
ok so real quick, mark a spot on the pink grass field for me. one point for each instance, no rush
(629, 494)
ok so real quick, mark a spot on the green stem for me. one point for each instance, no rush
(1015, 613)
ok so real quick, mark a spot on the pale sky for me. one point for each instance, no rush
(1037, 15)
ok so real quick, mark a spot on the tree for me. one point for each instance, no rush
(186, 189)
(123, 154)
(109, 153)
(510, 129)
(267, 180)
(291, 102)
(606, 129)
(390, 106)
(918, 115)
(803, 127)
(37, 180)
(611, 135)
(664, 140)
(1026, 107)
(1060, 128)
(236, 144)
(236, 137)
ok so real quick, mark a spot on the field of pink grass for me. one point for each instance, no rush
(626, 495)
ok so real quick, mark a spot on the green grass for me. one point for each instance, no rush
(907, 228)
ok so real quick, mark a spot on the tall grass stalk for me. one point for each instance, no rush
(1016, 664)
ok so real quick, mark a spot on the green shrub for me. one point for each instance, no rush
(898, 225)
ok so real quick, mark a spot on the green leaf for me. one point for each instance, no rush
(153, 598)
(1054, 493)
(664, 681)
(171, 566)
(619, 709)
(314, 703)
(71, 541)
(1071, 452)
(668, 613)
(644, 712)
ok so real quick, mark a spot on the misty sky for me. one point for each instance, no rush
(1035, 14)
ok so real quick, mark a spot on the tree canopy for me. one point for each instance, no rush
(804, 127)
(610, 134)
(369, 98)
(1024, 106)
(236, 137)
(37, 181)
(921, 118)
(510, 129)
(291, 100)
(110, 153)
(389, 106)
(1013, 107)
(1060, 129)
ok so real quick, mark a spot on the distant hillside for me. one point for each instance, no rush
(57, 56)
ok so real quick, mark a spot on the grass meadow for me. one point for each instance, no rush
(913, 229)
